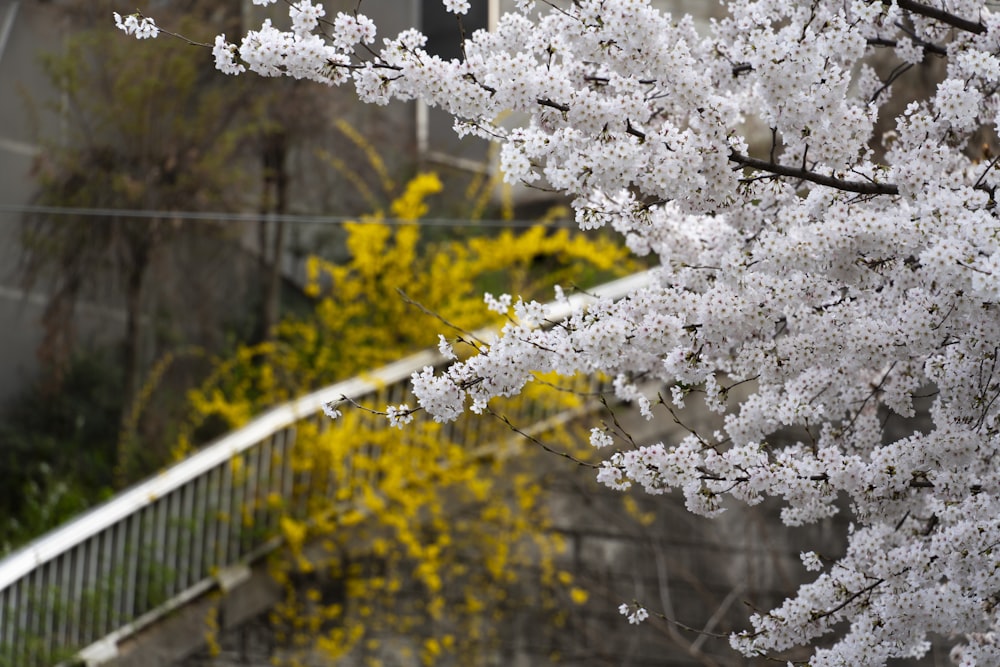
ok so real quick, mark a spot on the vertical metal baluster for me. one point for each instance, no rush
(323, 424)
(90, 594)
(104, 581)
(17, 618)
(199, 509)
(79, 558)
(373, 451)
(186, 532)
(290, 484)
(50, 606)
(6, 625)
(393, 394)
(302, 484)
(346, 468)
(326, 475)
(254, 498)
(270, 469)
(158, 562)
(288, 481)
(146, 556)
(276, 478)
(144, 560)
(170, 544)
(47, 609)
(33, 614)
(225, 514)
(265, 484)
(133, 548)
(210, 522)
(238, 494)
(169, 516)
(66, 605)
(119, 579)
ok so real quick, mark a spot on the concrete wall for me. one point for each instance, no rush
(24, 29)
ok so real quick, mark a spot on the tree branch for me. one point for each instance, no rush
(941, 15)
(546, 102)
(860, 187)
(892, 43)
(532, 439)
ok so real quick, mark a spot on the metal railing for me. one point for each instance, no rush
(84, 587)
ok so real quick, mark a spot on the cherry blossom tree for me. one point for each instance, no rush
(841, 272)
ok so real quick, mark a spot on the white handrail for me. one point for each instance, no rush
(92, 522)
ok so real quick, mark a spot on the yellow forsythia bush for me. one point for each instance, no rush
(360, 321)
(410, 543)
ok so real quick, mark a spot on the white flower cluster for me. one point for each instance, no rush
(845, 276)
(305, 16)
(140, 27)
(225, 56)
(634, 613)
(399, 415)
(457, 6)
(331, 411)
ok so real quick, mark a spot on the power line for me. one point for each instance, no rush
(221, 216)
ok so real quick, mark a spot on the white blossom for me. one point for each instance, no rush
(499, 304)
(811, 561)
(600, 438)
(445, 348)
(330, 410)
(225, 56)
(457, 6)
(399, 415)
(139, 26)
(634, 613)
(305, 16)
(832, 276)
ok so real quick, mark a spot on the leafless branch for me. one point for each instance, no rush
(941, 15)
(532, 439)
(860, 187)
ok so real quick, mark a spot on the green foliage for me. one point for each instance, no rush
(57, 449)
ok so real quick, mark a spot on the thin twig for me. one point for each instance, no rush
(530, 438)
(427, 311)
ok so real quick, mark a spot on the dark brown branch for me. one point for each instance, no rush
(897, 72)
(941, 15)
(629, 129)
(928, 47)
(860, 187)
(546, 102)
(854, 596)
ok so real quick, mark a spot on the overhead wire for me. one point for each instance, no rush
(224, 216)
